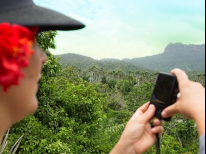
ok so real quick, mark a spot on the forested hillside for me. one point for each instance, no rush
(84, 63)
(187, 57)
(85, 111)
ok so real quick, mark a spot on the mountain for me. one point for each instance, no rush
(80, 61)
(85, 63)
(110, 60)
(186, 57)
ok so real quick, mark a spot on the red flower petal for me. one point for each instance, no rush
(15, 51)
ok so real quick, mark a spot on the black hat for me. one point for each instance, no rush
(26, 13)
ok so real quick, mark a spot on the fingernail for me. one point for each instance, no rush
(164, 114)
(151, 107)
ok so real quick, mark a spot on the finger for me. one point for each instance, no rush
(148, 115)
(181, 77)
(157, 122)
(170, 111)
(142, 109)
(158, 130)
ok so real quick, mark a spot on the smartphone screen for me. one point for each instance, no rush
(164, 93)
(163, 88)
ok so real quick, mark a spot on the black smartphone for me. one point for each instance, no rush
(164, 93)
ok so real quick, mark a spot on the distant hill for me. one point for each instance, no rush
(110, 60)
(85, 63)
(80, 61)
(186, 57)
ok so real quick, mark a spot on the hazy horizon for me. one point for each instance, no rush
(142, 28)
(122, 58)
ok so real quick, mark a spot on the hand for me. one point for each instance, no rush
(138, 135)
(191, 103)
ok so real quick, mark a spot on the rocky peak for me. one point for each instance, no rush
(184, 48)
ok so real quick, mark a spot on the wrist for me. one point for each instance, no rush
(123, 148)
(200, 121)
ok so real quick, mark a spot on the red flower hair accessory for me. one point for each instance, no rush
(15, 50)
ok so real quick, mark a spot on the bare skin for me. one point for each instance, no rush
(191, 103)
(21, 100)
(138, 135)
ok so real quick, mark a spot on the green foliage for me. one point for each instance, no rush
(4, 149)
(80, 102)
(139, 95)
(121, 117)
(52, 68)
(170, 145)
(183, 129)
(116, 101)
(69, 74)
(46, 39)
(58, 147)
(112, 83)
(85, 63)
(131, 79)
(125, 86)
(84, 111)
(104, 80)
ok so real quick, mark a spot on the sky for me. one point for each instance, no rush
(128, 28)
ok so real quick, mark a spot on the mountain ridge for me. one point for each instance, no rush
(189, 57)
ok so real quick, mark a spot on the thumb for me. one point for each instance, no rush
(149, 114)
(170, 111)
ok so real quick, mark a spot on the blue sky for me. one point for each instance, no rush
(128, 28)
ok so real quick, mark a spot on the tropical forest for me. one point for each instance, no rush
(85, 104)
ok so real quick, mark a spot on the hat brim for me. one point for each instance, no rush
(44, 18)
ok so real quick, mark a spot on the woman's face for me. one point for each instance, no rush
(21, 100)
